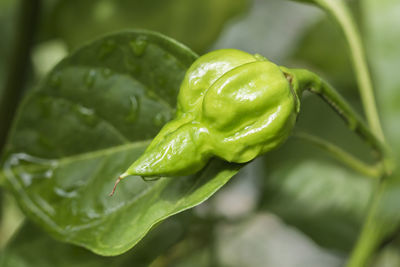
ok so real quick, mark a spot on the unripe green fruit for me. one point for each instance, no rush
(232, 105)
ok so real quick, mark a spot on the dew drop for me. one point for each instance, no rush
(65, 193)
(90, 78)
(150, 178)
(106, 48)
(26, 175)
(139, 45)
(87, 115)
(134, 109)
(159, 119)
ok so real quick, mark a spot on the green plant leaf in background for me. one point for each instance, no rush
(382, 39)
(318, 197)
(84, 124)
(323, 49)
(32, 247)
(192, 22)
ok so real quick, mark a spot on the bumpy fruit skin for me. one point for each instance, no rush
(232, 105)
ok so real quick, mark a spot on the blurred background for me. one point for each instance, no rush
(296, 206)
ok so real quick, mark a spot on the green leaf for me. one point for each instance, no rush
(195, 23)
(91, 117)
(32, 247)
(320, 197)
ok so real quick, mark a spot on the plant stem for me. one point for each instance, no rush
(340, 12)
(342, 156)
(371, 235)
(302, 79)
(18, 67)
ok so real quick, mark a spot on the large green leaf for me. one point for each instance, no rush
(84, 124)
(32, 247)
(196, 23)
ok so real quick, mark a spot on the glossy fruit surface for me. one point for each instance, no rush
(232, 105)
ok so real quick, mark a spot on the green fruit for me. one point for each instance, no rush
(231, 105)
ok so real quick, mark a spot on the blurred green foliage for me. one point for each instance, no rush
(325, 202)
(192, 22)
(7, 13)
(32, 247)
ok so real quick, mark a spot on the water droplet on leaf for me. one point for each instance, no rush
(87, 114)
(65, 193)
(139, 45)
(134, 109)
(150, 178)
(106, 48)
(159, 119)
(26, 174)
(90, 78)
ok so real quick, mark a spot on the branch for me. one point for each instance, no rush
(302, 79)
(343, 156)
